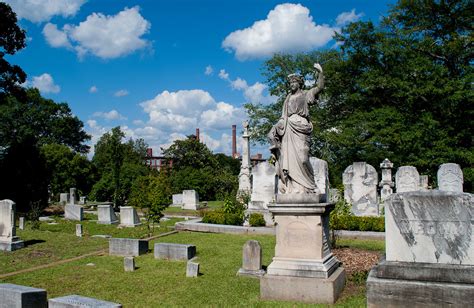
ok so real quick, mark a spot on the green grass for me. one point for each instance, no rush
(163, 283)
(172, 210)
(53, 243)
(374, 245)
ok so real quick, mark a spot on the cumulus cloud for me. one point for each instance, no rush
(40, 11)
(209, 70)
(287, 28)
(93, 89)
(111, 115)
(348, 17)
(121, 93)
(105, 36)
(223, 75)
(44, 83)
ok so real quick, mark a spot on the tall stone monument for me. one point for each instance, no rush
(303, 268)
(360, 189)
(8, 239)
(429, 252)
(245, 186)
(407, 179)
(386, 184)
(450, 177)
(263, 190)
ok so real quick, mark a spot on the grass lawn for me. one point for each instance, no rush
(52, 243)
(163, 283)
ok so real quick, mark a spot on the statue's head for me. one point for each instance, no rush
(296, 79)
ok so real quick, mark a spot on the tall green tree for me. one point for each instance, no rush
(401, 89)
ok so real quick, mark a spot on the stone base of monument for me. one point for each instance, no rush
(303, 269)
(11, 244)
(394, 284)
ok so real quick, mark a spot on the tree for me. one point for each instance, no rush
(402, 90)
(12, 39)
(190, 153)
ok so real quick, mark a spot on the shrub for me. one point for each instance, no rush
(222, 218)
(341, 218)
(256, 220)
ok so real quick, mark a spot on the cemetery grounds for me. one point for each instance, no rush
(57, 260)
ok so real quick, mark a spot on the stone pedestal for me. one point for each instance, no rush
(74, 212)
(129, 217)
(190, 200)
(106, 214)
(8, 239)
(303, 268)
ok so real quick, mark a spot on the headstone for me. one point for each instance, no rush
(334, 195)
(192, 268)
(424, 182)
(177, 200)
(450, 177)
(251, 260)
(263, 190)
(8, 239)
(429, 252)
(321, 176)
(173, 251)
(106, 214)
(360, 189)
(129, 217)
(12, 295)
(129, 264)
(76, 301)
(63, 198)
(21, 223)
(190, 200)
(74, 212)
(72, 196)
(245, 185)
(127, 247)
(78, 230)
(386, 184)
(407, 179)
(82, 200)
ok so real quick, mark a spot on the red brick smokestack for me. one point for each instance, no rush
(149, 152)
(197, 134)
(234, 141)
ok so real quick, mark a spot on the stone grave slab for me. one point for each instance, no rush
(173, 251)
(190, 200)
(450, 177)
(74, 212)
(8, 239)
(251, 260)
(407, 179)
(129, 217)
(77, 301)
(106, 214)
(17, 296)
(127, 247)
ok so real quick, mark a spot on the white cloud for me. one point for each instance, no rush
(222, 116)
(44, 83)
(44, 10)
(287, 28)
(55, 37)
(223, 75)
(105, 36)
(209, 70)
(111, 115)
(93, 89)
(121, 93)
(348, 17)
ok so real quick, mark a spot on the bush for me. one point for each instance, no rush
(221, 218)
(341, 218)
(256, 220)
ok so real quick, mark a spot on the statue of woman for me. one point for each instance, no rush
(290, 137)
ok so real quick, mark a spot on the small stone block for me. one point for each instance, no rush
(106, 214)
(172, 251)
(79, 230)
(74, 212)
(129, 264)
(192, 269)
(21, 223)
(127, 247)
(12, 295)
(77, 301)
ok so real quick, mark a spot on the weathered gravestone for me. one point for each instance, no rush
(77, 301)
(360, 189)
(73, 212)
(386, 184)
(127, 247)
(407, 179)
(8, 239)
(424, 182)
(79, 230)
(106, 214)
(251, 260)
(190, 200)
(82, 200)
(63, 198)
(129, 264)
(171, 251)
(321, 177)
(17, 296)
(21, 223)
(429, 252)
(129, 217)
(192, 268)
(72, 196)
(177, 200)
(263, 190)
(450, 177)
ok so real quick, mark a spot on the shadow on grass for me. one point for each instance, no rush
(32, 242)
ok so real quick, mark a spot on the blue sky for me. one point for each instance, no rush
(160, 69)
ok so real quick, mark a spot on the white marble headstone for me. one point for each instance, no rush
(321, 176)
(263, 185)
(450, 177)
(407, 178)
(360, 188)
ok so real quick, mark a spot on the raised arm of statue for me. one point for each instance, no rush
(314, 92)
